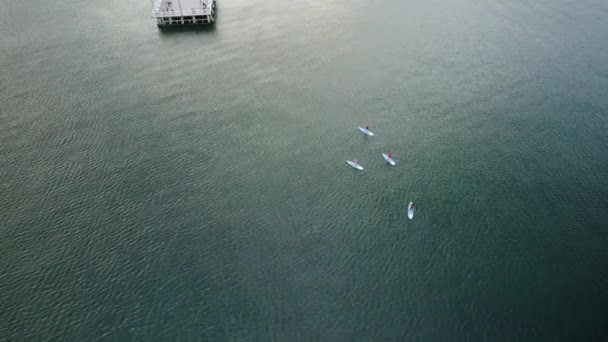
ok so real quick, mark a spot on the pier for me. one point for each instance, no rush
(184, 12)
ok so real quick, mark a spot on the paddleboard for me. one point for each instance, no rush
(366, 131)
(388, 159)
(355, 165)
(410, 210)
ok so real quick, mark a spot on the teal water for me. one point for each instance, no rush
(191, 184)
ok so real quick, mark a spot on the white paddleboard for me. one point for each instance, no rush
(366, 131)
(388, 159)
(410, 210)
(355, 165)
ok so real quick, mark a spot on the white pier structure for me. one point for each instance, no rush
(184, 12)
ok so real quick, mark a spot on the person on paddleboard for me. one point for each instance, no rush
(390, 155)
(367, 127)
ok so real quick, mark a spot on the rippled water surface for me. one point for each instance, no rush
(191, 184)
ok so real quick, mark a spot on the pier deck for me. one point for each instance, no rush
(184, 12)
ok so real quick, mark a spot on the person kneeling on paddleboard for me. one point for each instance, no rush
(390, 155)
(367, 127)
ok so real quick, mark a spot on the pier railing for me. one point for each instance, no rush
(157, 5)
(181, 13)
(158, 11)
